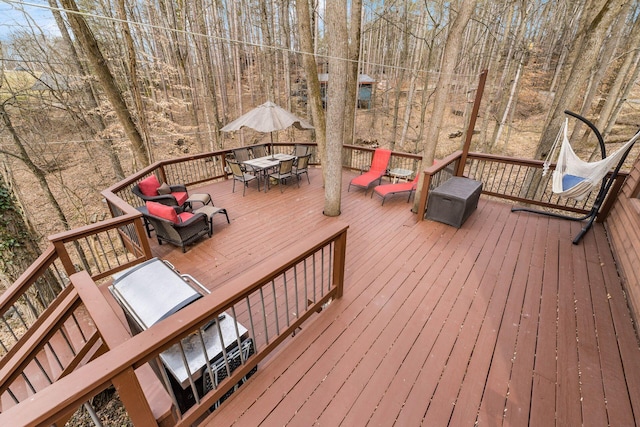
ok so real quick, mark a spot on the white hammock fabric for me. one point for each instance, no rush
(575, 178)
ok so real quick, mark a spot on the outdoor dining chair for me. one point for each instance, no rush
(242, 176)
(301, 167)
(284, 172)
(241, 154)
(259, 151)
(300, 150)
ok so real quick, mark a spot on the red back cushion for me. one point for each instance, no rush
(162, 211)
(380, 159)
(149, 186)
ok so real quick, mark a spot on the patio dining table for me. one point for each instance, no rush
(261, 165)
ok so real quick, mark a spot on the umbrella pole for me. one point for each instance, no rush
(272, 154)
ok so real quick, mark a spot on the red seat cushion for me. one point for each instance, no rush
(182, 217)
(400, 187)
(366, 178)
(149, 186)
(181, 197)
(163, 211)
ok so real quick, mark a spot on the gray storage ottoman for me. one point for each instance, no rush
(453, 201)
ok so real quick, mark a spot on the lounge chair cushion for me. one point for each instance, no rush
(181, 197)
(164, 189)
(366, 178)
(380, 162)
(149, 186)
(378, 168)
(184, 216)
(163, 211)
(569, 181)
(400, 187)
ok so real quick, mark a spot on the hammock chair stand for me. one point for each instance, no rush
(605, 186)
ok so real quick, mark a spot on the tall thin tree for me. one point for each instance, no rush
(336, 98)
(450, 57)
(101, 69)
(311, 73)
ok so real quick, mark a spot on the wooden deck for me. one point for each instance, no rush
(500, 322)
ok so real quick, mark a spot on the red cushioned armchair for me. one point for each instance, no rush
(179, 229)
(150, 190)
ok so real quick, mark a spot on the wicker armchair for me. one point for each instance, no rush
(188, 228)
(175, 195)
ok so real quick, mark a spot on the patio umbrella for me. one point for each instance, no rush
(267, 117)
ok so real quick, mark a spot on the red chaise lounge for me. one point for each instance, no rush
(377, 170)
(400, 187)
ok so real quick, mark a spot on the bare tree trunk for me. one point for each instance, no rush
(235, 35)
(510, 101)
(403, 56)
(206, 63)
(415, 71)
(313, 86)
(353, 68)
(336, 97)
(269, 53)
(94, 121)
(133, 78)
(598, 74)
(450, 56)
(99, 65)
(626, 75)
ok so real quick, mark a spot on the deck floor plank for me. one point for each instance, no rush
(545, 368)
(517, 409)
(500, 322)
(424, 293)
(568, 397)
(487, 341)
(591, 389)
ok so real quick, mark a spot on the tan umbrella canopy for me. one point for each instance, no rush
(267, 117)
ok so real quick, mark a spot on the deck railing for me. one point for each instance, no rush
(515, 180)
(359, 158)
(271, 303)
(101, 249)
(522, 181)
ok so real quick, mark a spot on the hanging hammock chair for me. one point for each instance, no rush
(573, 177)
(576, 179)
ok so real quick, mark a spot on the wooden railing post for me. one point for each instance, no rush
(163, 175)
(424, 193)
(133, 398)
(472, 123)
(611, 198)
(64, 257)
(144, 239)
(339, 255)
